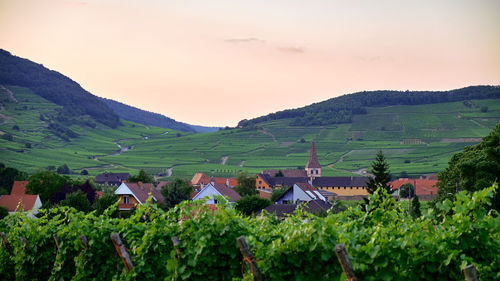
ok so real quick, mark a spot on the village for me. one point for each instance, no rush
(297, 187)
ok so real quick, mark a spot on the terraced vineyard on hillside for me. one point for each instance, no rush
(416, 139)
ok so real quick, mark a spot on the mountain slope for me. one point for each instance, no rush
(342, 109)
(137, 115)
(416, 140)
(55, 87)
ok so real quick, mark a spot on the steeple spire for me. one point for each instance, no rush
(313, 168)
(313, 160)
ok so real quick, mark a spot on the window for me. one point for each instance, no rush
(126, 199)
(260, 182)
(215, 201)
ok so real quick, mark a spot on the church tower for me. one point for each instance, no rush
(313, 168)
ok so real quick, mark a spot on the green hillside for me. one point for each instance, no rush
(417, 139)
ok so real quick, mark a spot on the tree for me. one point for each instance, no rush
(415, 207)
(143, 176)
(380, 169)
(77, 200)
(251, 204)
(45, 184)
(246, 185)
(3, 212)
(278, 192)
(407, 190)
(84, 172)
(279, 174)
(107, 200)
(175, 192)
(7, 177)
(473, 169)
(63, 170)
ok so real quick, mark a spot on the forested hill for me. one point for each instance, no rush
(341, 109)
(137, 115)
(54, 87)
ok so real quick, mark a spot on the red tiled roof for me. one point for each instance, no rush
(422, 186)
(19, 188)
(306, 186)
(227, 191)
(199, 178)
(141, 191)
(232, 181)
(98, 194)
(287, 173)
(264, 194)
(313, 160)
(25, 202)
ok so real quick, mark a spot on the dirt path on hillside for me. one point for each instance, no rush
(10, 93)
(169, 172)
(269, 134)
(242, 163)
(477, 123)
(224, 160)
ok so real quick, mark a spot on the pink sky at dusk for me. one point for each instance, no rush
(217, 62)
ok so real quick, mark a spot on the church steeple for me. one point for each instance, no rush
(313, 168)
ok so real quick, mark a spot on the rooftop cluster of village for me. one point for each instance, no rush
(297, 186)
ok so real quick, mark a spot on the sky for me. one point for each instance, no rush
(217, 62)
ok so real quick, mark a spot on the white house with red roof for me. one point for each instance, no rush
(132, 194)
(19, 201)
(212, 189)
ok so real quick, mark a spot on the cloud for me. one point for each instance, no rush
(296, 50)
(244, 40)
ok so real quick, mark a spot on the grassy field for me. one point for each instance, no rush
(415, 139)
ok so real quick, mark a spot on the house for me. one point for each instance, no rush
(132, 194)
(212, 189)
(286, 173)
(18, 200)
(266, 194)
(426, 188)
(317, 207)
(269, 183)
(300, 192)
(113, 179)
(200, 179)
(341, 186)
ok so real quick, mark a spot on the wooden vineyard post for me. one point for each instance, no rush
(345, 262)
(470, 273)
(122, 252)
(85, 242)
(249, 258)
(57, 242)
(6, 242)
(176, 242)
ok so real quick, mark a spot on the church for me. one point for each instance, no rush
(341, 186)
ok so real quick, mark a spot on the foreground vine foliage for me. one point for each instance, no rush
(384, 243)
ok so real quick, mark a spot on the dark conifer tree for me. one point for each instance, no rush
(380, 169)
(415, 208)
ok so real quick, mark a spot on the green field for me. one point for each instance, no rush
(416, 139)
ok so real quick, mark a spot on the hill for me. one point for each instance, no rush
(137, 115)
(416, 139)
(343, 109)
(53, 86)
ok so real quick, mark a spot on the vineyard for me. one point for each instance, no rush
(383, 243)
